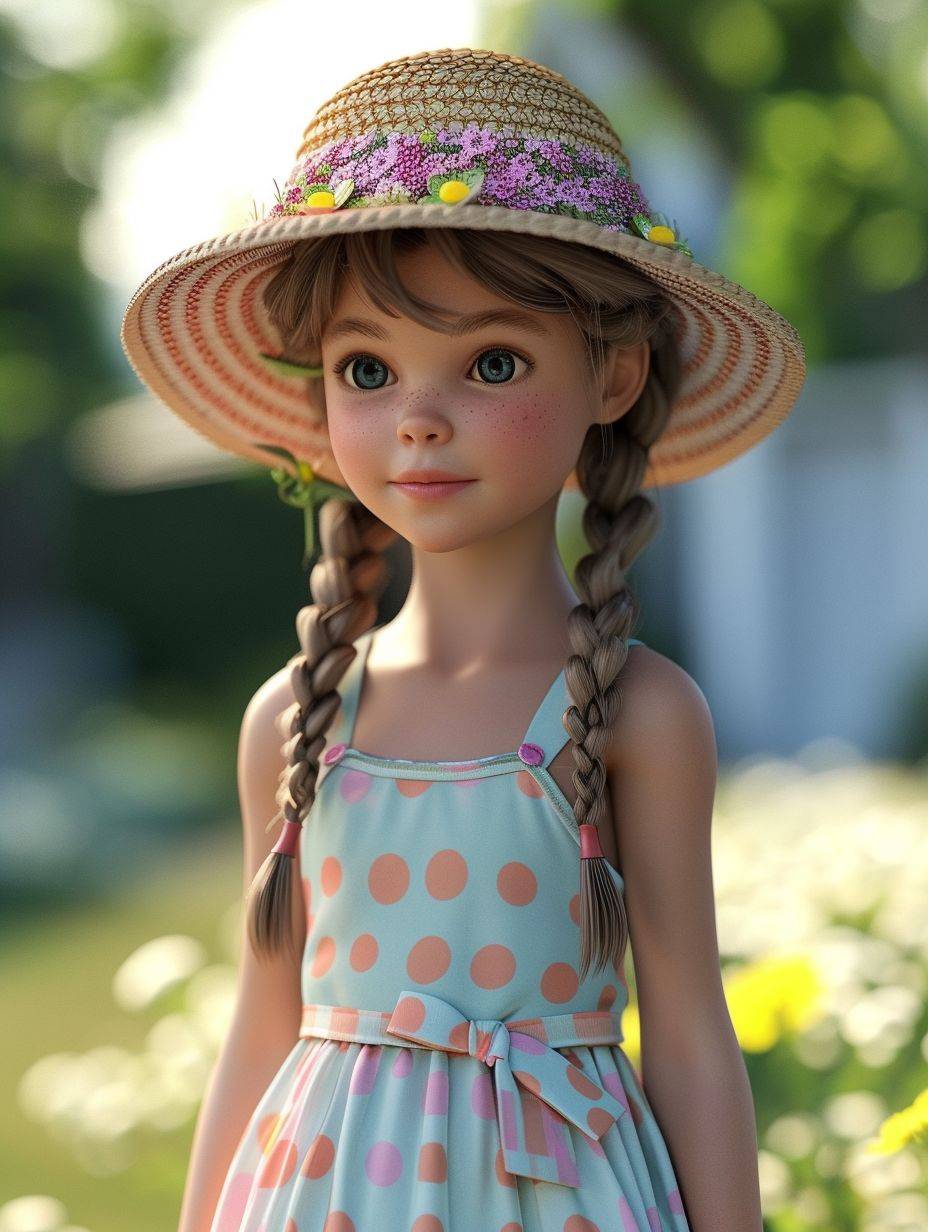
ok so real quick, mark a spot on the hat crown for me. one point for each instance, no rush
(461, 86)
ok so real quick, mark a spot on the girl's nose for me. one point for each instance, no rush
(423, 425)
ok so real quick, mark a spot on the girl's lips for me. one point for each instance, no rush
(429, 491)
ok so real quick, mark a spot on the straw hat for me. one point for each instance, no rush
(453, 138)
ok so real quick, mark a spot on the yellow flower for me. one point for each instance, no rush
(453, 191)
(306, 471)
(903, 1127)
(771, 998)
(661, 235)
(320, 199)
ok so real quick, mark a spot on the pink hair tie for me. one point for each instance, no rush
(289, 838)
(590, 846)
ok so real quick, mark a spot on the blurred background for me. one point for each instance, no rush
(150, 584)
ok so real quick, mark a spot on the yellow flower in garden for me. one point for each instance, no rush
(661, 235)
(453, 191)
(771, 998)
(631, 1030)
(306, 471)
(908, 1125)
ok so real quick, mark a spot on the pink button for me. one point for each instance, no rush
(335, 753)
(531, 754)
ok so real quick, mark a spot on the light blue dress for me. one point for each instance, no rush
(452, 1073)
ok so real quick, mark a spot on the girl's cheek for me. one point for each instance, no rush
(354, 445)
(534, 427)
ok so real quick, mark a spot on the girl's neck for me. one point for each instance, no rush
(478, 606)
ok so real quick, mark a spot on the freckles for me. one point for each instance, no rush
(531, 424)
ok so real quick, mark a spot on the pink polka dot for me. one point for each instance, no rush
(330, 875)
(446, 874)
(234, 1203)
(428, 960)
(580, 1082)
(613, 1084)
(629, 1222)
(516, 883)
(600, 1121)
(580, 1223)
(364, 951)
(559, 982)
(529, 1081)
(433, 1163)
(504, 1177)
(427, 1223)
(364, 1074)
(675, 1202)
(403, 1063)
(279, 1165)
(526, 1043)
(481, 1095)
(338, 1221)
(435, 1099)
(410, 788)
(492, 966)
(607, 997)
(354, 785)
(325, 954)
(319, 1157)
(388, 878)
(409, 1014)
(654, 1220)
(383, 1163)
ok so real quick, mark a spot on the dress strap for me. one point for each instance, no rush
(546, 731)
(342, 730)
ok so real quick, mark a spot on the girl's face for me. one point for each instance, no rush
(503, 404)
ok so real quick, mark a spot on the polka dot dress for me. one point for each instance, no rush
(453, 1074)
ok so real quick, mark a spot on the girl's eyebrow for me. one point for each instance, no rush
(466, 325)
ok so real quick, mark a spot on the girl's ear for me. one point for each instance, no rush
(624, 375)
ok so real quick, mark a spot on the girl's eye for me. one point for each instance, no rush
(367, 370)
(496, 367)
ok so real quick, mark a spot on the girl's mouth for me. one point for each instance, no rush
(433, 489)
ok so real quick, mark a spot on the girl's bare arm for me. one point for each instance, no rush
(662, 768)
(266, 1019)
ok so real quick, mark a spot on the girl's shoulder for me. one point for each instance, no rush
(662, 710)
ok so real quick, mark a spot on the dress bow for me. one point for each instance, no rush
(536, 1087)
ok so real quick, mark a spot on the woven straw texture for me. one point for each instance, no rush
(195, 327)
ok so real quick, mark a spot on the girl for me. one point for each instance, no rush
(460, 303)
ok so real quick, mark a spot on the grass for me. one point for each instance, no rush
(57, 975)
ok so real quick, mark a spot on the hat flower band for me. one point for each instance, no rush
(470, 163)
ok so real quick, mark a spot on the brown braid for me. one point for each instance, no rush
(618, 521)
(612, 303)
(345, 583)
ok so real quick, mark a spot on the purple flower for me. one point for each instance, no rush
(477, 141)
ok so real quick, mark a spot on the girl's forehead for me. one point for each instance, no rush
(431, 275)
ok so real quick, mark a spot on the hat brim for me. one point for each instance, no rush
(194, 330)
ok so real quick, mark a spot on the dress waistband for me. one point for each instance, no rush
(538, 1090)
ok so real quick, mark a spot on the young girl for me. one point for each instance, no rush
(460, 303)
